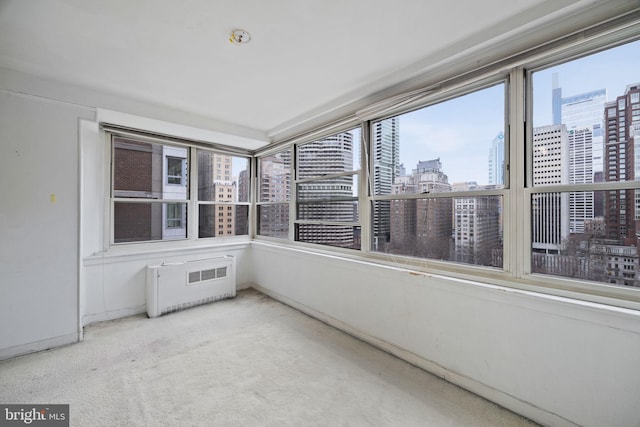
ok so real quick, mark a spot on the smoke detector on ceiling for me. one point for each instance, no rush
(240, 37)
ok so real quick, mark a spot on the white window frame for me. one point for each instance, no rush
(286, 197)
(516, 272)
(294, 220)
(455, 92)
(191, 201)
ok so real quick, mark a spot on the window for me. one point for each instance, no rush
(214, 192)
(141, 191)
(174, 215)
(579, 232)
(274, 193)
(438, 177)
(514, 175)
(326, 186)
(175, 170)
(150, 191)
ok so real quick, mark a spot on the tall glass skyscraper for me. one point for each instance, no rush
(582, 116)
(496, 160)
(385, 136)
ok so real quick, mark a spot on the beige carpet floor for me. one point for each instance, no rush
(250, 361)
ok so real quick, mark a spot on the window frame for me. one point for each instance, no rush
(190, 175)
(296, 181)
(574, 287)
(267, 203)
(444, 95)
(224, 191)
(180, 177)
(516, 271)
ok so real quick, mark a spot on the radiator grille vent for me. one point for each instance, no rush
(210, 274)
(179, 285)
(194, 303)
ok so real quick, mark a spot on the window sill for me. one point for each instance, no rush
(575, 291)
(138, 251)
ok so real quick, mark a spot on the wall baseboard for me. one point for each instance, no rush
(88, 319)
(498, 397)
(33, 347)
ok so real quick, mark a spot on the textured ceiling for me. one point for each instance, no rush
(303, 54)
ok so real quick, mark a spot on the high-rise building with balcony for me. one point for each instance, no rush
(328, 156)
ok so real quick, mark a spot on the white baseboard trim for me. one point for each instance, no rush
(33, 347)
(243, 286)
(88, 319)
(505, 400)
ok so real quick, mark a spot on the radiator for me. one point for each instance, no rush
(176, 286)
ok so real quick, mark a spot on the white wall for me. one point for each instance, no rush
(38, 222)
(556, 361)
(115, 285)
(114, 278)
(55, 275)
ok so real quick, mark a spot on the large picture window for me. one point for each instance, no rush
(327, 204)
(530, 171)
(146, 204)
(438, 178)
(274, 194)
(223, 194)
(151, 192)
(585, 173)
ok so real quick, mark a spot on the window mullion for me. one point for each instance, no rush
(363, 192)
(192, 224)
(520, 122)
(293, 193)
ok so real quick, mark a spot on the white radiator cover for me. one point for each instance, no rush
(176, 286)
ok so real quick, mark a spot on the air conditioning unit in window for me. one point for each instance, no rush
(176, 286)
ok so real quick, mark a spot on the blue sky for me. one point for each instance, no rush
(460, 131)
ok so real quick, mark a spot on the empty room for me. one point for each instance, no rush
(320, 213)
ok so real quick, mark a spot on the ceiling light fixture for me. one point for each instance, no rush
(240, 37)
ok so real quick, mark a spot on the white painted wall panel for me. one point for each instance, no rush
(38, 222)
(554, 360)
(116, 286)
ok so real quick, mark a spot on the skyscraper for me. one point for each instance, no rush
(327, 156)
(496, 160)
(476, 226)
(581, 204)
(215, 184)
(622, 155)
(422, 227)
(550, 222)
(275, 187)
(582, 116)
(385, 136)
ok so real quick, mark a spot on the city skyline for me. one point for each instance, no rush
(437, 132)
